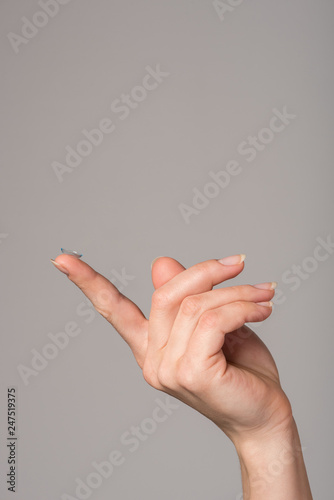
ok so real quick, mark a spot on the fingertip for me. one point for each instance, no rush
(60, 267)
(164, 269)
(154, 260)
(73, 267)
(233, 260)
(269, 304)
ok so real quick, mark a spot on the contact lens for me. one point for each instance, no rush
(71, 252)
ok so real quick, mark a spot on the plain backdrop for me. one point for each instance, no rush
(225, 69)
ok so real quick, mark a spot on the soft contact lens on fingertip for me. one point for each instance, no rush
(71, 252)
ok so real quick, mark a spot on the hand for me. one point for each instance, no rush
(194, 345)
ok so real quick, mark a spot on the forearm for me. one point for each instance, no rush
(273, 467)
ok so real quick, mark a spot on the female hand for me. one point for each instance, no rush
(194, 345)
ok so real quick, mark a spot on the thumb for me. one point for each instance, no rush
(164, 269)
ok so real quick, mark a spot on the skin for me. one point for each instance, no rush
(195, 346)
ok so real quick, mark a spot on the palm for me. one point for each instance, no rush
(244, 385)
(245, 349)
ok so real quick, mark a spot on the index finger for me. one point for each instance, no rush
(123, 314)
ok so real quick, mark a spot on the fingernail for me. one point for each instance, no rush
(233, 260)
(71, 252)
(155, 260)
(266, 286)
(60, 267)
(267, 304)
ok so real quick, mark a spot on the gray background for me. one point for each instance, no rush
(120, 208)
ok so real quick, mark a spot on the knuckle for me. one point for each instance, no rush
(160, 298)
(106, 302)
(190, 306)
(165, 376)
(237, 292)
(240, 309)
(203, 268)
(149, 375)
(187, 377)
(105, 313)
(209, 319)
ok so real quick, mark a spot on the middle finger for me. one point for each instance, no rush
(192, 307)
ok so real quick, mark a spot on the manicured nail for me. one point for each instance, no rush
(71, 252)
(155, 260)
(266, 286)
(60, 267)
(267, 304)
(233, 260)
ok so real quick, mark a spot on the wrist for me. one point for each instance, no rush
(272, 464)
(251, 444)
